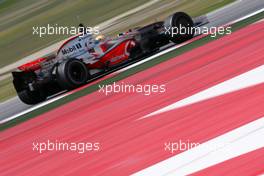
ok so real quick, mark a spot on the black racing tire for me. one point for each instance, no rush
(72, 73)
(31, 97)
(177, 22)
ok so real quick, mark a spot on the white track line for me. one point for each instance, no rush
(119, 71)
(33, 108)
(242, 81)
(153, 57)
(227, 146)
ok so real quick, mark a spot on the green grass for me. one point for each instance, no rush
(7, 89)
(16, 39)
(127, 73)
(5, 4)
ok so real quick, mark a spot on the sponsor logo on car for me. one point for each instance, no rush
(71, 49)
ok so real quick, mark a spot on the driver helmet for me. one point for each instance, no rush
(99, 37)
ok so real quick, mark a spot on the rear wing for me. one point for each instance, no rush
(35, 64)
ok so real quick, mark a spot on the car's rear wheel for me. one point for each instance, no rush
(31, 97)
(179, 27)
(72, 73)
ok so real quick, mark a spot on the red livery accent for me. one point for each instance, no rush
(114, 56)
(32, 66)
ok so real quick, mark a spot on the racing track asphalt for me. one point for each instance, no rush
(129, 144)
(217, 18)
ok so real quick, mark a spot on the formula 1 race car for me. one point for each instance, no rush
(82, 58)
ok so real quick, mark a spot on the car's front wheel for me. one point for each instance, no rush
(179, 27)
